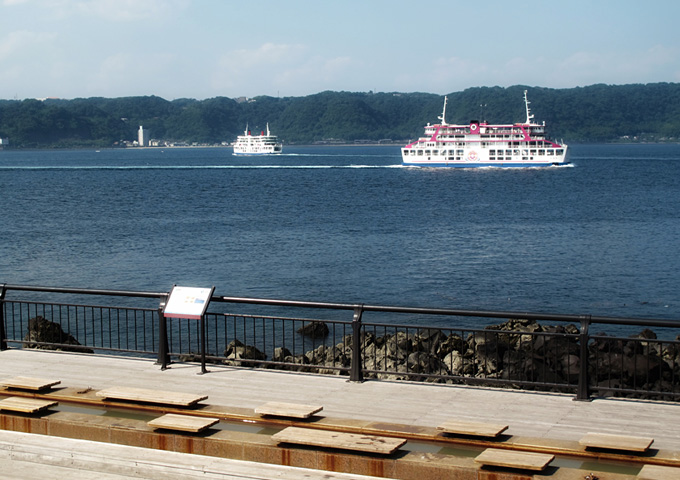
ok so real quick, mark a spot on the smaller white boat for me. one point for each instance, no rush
(248, 144)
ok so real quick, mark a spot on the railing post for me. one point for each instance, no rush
(583, 393)
(3, 337)
(163, 349)
(356, 373)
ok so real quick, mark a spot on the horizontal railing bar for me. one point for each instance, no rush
(453, 312)
(85, 305)
(84, 291)
(647, 322)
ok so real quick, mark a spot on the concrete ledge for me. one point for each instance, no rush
(85, 459)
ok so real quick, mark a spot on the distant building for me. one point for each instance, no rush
(143, 137)
(4, 142)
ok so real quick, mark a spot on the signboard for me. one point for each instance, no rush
(188, 302)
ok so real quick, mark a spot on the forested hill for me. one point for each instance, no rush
(597, 113)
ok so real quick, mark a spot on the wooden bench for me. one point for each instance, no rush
(26, 405)
(30, 383)
(657, 472)
(616, 442)
(151, 396)
(497, 457)
(184, 423)
(341, 440)
(474, 429)
(292, 410)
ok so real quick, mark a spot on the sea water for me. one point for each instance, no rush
(351, 225)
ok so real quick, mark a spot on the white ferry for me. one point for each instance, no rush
(248, 144)
(480, 144)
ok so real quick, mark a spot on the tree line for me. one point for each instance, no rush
(596, 113)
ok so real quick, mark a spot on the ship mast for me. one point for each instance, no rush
(443, 116)
(526, 105)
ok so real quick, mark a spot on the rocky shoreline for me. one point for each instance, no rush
(518, 353)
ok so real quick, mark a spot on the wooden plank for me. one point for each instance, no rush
(30, 383)
(341, 440)
(185, 423)
(658, 472)
(475, 429)
(616, 442)
(293, 410)
(26, 405)
(151, 396)
(507, 458)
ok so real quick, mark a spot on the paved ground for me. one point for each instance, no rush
(550, 416)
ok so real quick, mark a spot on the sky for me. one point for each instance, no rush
(289, 48)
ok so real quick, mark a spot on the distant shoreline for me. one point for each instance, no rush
(300, 145)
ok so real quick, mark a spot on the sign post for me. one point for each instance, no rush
(190, 303)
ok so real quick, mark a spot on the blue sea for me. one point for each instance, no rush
(350, 224)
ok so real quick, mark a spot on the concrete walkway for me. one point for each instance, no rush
(540, 415)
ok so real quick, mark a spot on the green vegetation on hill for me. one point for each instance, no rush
(597, 113)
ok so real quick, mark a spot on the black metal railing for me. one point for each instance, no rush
(525, 350)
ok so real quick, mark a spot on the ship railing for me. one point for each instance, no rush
(531, 351)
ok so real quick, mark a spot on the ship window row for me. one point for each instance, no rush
(526, 154)
(533, 151)
(433, 152)
(492, 153)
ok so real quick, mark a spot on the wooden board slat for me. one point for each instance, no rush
(185, 423)
(658, 472)
(476, 429)
(293, 410)
(616, 442)
(341, 440)
(26, 405)
(151, 396)
(507, 458)
(29, 383)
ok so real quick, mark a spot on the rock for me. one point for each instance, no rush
(236, 350)
(570, 366)
(453, 343)
(314, 330)
(429, 340)
(280, 354)
(455, 363)
(193, 357)
(41, 330)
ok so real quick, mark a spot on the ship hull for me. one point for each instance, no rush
(250, 154)
(415, 157)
